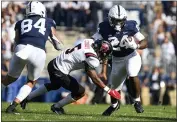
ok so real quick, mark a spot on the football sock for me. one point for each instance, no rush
(2, 87)
(114, 105)
(24, 92)
(68, 99)
(41, 90)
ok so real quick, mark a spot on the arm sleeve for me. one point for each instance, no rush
(137, 34)
(134, 27)
(52, 23)
(17, 25)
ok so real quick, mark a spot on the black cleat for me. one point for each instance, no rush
(110, 110)
(24, 103)
(11, 109)
(57, 110)
(138, 107)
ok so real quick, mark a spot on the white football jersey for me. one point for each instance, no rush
(75, 58)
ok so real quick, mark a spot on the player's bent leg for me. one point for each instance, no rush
(40, 91)
(135, 88)
(77, 91)
(25, 91)
(15, 68)
(34, 67)
(118, 75)
(133, 65)
(71, 84)
(22, 94)
(54, 85)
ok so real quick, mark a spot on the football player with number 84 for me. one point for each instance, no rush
(31, 35)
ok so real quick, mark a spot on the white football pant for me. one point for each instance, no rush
(123, 67)
(28, 55)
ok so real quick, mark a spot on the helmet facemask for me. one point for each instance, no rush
(117, 24)
(103, 49)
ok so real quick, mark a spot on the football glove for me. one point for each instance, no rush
(56, 43)
(112, 93)
(114, 41)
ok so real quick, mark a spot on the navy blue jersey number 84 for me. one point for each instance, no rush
(27, 25)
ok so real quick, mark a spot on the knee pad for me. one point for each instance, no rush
(49, 66)
(78, 93)
(51, 86)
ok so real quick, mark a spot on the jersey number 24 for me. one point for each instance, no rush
(121, 43)
(27, 25)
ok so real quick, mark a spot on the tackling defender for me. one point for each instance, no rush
(126, 62)
(85, 55)
(31, 35)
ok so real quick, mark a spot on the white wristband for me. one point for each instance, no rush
(106, 88)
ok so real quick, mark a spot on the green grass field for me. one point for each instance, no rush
(41, 112)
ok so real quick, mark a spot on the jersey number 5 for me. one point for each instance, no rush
(77, 47)
(26, 25)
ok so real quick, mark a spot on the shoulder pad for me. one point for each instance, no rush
(132, 26)
(103, 25)
(93, 62)
(131, 23)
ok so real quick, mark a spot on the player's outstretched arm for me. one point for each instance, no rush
(103, 74)
(93, 75)
(58, 45)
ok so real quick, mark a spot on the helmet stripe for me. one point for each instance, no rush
(30, 5)
(118, 10)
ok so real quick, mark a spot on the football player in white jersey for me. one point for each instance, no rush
(85, 55)
(31, 35)
(125, 37)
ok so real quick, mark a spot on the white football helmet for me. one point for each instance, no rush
(117, 16)
(35, 8)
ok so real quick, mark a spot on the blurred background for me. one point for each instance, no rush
(78, 20)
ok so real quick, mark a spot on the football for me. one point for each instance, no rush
(132, 38)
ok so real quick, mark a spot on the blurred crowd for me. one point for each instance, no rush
(157, 21)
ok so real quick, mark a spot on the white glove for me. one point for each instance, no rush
(114, 41)
(131, 43)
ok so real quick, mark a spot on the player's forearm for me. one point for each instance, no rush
(104, 66)
(56, 43)
(96, 80)
(142, 44)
